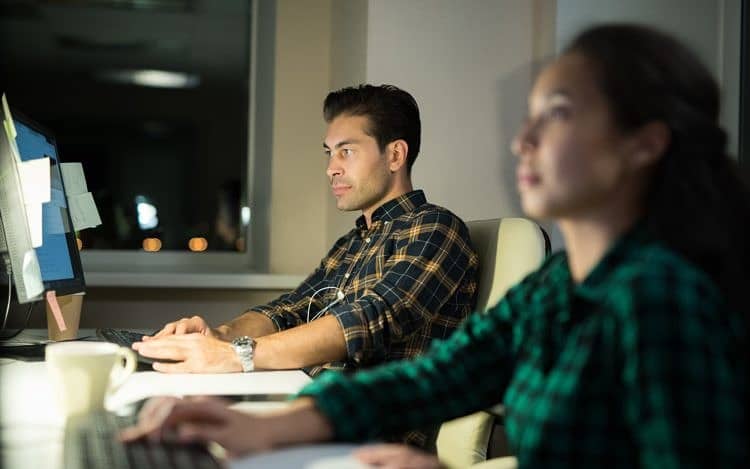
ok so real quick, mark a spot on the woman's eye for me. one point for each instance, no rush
(559, 112)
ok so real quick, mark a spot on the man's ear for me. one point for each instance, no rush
(397, 152)
(651, 141)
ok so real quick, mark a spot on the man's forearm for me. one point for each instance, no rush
(321, 341)
(250, 324)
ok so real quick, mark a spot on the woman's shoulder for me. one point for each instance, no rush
(656, 278)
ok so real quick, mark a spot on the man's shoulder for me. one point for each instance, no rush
(428, 213)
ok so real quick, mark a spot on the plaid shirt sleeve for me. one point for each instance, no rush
(426, 390)
(682, 398)
(289, 310)
(431, 259)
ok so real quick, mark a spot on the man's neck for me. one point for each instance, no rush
(397, 191)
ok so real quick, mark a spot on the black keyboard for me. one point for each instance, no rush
(125, 338)
(120, 337)
(91, 442)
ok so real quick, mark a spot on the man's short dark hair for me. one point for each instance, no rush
(393, 114)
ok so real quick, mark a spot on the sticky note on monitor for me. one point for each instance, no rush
(73, 178)
(83, 211)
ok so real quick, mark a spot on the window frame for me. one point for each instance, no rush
(260, 74)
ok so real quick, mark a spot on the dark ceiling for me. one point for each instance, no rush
(83, 38)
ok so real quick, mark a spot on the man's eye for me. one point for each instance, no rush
(327, 153)
(347, 152)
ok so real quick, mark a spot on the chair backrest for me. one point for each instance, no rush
(508, 250)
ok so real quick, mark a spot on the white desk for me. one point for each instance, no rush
(31, 426)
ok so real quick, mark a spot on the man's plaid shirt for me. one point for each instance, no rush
(640, 365)
(408, 279)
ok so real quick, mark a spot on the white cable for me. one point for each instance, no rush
(9, 271)
(339, 297)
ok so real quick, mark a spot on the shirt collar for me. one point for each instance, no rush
(595, 285)
(394, 208)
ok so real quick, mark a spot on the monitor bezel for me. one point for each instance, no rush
(76, 284)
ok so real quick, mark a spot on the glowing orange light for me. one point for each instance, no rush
(240, 244)
(79, 243)
(198, 244)
(151, 244)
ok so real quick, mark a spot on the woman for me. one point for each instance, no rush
(626, 349)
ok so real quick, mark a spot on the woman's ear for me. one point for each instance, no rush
(651, 141)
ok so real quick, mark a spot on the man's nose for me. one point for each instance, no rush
(334, 167)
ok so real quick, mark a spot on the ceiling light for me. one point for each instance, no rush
(151, 78)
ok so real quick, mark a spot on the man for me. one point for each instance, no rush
(404, 276)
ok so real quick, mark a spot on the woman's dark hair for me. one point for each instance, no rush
(392, 113)
(697, 203)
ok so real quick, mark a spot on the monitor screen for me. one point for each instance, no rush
(58, 256)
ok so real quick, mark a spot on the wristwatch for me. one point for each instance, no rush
(244, 347)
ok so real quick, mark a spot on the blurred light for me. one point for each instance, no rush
(198, 244)
(79, 243)
(239, 245)
(151, 244)
(147, 214)
(151, 78)
(245, 216)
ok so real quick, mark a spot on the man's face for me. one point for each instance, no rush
(359, 173)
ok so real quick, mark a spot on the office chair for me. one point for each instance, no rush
(508, 250)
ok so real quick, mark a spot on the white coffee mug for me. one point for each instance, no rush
(83, 373)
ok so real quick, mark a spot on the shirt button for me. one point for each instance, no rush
(367, 240)
(347, 275)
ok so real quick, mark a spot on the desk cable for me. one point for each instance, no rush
(9, 272)
(339, 297)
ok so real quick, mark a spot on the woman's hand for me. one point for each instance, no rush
(396, 456)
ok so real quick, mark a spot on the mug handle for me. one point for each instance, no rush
(124, 371)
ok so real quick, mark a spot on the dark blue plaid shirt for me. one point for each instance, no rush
(408, 279)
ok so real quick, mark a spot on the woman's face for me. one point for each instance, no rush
(572, 158)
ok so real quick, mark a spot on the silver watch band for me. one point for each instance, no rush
(244, 347)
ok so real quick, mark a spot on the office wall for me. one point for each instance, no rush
(470, 66)
(298, 185)
(348, 68)
(710, 27)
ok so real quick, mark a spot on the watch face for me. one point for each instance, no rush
(242, 341)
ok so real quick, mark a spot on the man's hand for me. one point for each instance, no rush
(198, 420)
(395, 456)
(194, 353)
(196, 324)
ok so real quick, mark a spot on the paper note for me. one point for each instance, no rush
(73, 178)
(35, 180)
(55, 308)
(31, 274)
(83, 211)
(34, 220)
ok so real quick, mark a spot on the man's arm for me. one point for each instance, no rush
(251, 324)
(318, 342)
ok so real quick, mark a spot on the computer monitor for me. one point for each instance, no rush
(19, 256)
(58, 255)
